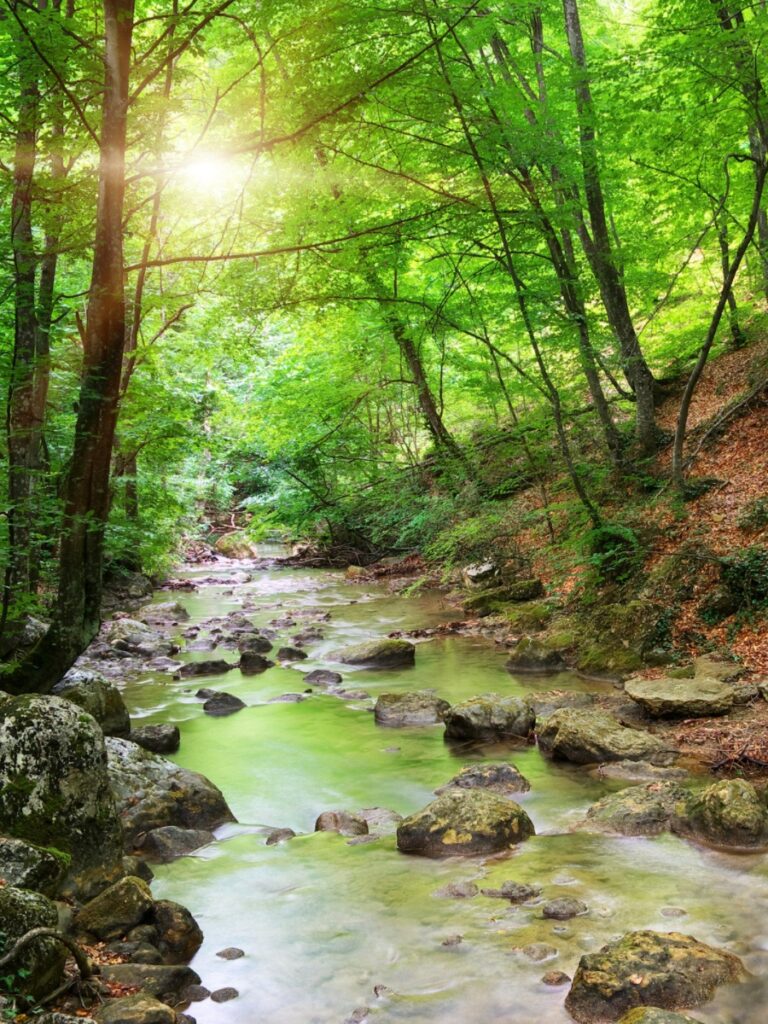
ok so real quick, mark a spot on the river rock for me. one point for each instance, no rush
(653, 1015)
(216, 667)
(254, 643)
(488, 718)
(464, 822)
(165, 844)
(380, 820)
(57, 792)
(458, 891)
(379, 654)
(20, 911)
(515, 892)
(497, 777)
(224, 995)
(222, 704)
(138, 1009)
(532, 655)
(291, 654)
(279, 835)
(564, 908)
(54, 1017)
(116, 910)
(729, 813)
(635, 772)
(635, 811)
(676, 698)
(646, 968)
(137, 638)
(27, 866)
(152, 792)
(479, 574)
(344, 822)
(160, 739)
(179, 934)
(401, 709)
(251, 663)
(163, 981)
(548, 701)
(324, 679)
(163, 612)
(100, 698)
(587, 737)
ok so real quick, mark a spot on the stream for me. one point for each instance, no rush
(329, 928)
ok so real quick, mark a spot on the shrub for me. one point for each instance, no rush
(613, 551)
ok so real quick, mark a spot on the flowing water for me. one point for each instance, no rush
(329, 928)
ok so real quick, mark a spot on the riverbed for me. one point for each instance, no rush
(330, 928)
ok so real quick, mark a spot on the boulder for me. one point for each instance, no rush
(179, 935)
(215, 667)
(343, 822)
(515, 892)
(254, 643)
(236, 545)
(730, 813)
(38, 968)
(464, 822)
(496, 777)
(291, 654)
(653, 1015)
(644, 968)
(488, 718)
(222, 704)
(419, 708)
(379, 654)
(152, 792)
(681, 698)
(380, 820)
(165, 982)
(27, 866)
(479, 574)
(547, 701)
(324, 679)
(165, 844)
(116, 910)
(525, 590)
(485, 602)
(138, 1009)
(530, 655)
(587, 737)
(137, 638)
(163, 612)
(251, 663)
(563, 909)
(100, 698)
(56, 790)
(635, 811)
(160, 739)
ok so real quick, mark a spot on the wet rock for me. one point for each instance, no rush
(379, 654)
(488, 718)
(137, 638)
(343, 822)
(57, 790)
(152, 792)
(639, 771)
(452, 940)
(251, 663)
(323, 678)
(486, 602)
(27, 866)
(223, 704)
(54, 1017)
(138, 1009)
(279, 835)
(291, 654)
(231, 953)
(555, 978)
(458, 891)
(216, 667)
(254, 644)
(403, 709)
(464, 822)
(195, 994)
(136, 952)
(646, 968)
(179, 935)
(564, 908)
(20, 911)
(116, 910)
(653, 1015)
(163, 664)
(380, 820)
(308, 636)
(223, 995)
(160, 739)
(539, 951)
(588, 737)
(497, 777)
(288, 698)
(515, 892)
(729, 813)
(165, 844)
(635, 811)
(163, 612)
(546, 703)
(163, 981)
(533, 655)
(525, 590)
(681, 698)
(100, 698)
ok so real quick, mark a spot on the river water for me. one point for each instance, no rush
(329, 928)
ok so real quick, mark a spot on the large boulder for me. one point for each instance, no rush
(681, 698)
(635, 811)
(152, 792)
(165, 844)
(27, 866)
(401, 709)
(729, 813)
(165, 982)
(100, 698)
(480, 574)
(496, 777)
(379, 654)
(160, 739)
(138, 1009)
(531, 655)
(588, 737)
(644, 968)
(38, 968)
(488, 718)
(56, 791)
(163, 612)
(178, 934)
(136, 638)
(116, 909)
(463, 823)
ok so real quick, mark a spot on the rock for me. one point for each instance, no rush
(136, 952)
(279, 835)
(195, 994)
(179, 935)
(160, 739)
(163, 612)
(488, 718)
(515, 892)
(545, 703)
(236, 545)
(217, 667)
(163, 981)
(288, 698)
(635, 811)
(532, 655)
(564, 908)
(91, 692)
(323, 678)
(138, 1009)
(251, 663)
(525, 590)
(479, 573)
(555, 978)
(588, 737)
(223, 704)
(27, 866)
(380, 820)
(458, 891)
(639, 771)
(729, 813)
(496, 777)
(223, 995)
(57, 791)
(116, 910)
(646, 968)
(231, 953)
(402, 709)
(379, 654)
(486, 602)
(539, 951)
(165, 844)
(676, 698)
(20, 911)
(343, 822)
(464, 822)
(653, 1015)
(291, 654)
(152, 792)
(255, 643)
(54, 1017)
(136, 638)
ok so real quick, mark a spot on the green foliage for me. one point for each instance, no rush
(745, 574)
(754, 515)
(613, 551)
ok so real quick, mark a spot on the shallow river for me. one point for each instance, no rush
(329, 928)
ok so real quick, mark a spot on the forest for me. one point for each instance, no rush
(455, 307)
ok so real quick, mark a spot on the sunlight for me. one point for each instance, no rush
(209, 172)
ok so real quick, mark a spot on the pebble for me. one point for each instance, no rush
(555, 978)
(457, 891)
(223, 995)
(195, 993)
(452, 940)
(231, 953)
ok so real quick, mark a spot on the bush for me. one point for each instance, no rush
(745, 575)
(614, 551)
(754, 516)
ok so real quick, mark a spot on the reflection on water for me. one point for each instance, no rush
(329, 928)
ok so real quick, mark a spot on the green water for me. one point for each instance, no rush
(325, 925)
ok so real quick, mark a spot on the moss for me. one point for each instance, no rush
(531, 616)
(608, 659)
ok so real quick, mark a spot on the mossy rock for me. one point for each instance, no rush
(418, 708)
(536, 656)
(138, 1009)
(608, 659)
(499, 777)
(635, 811)
(463, 823)
(487, 718)
(236, 545)
(653, 1015)
(529, 617)
(730, 813)
(616, 639)
(592, 736)
(117, 909)
(486, 602)
(681, 698)
(26, 866)
(21, 910)
(384, 653)
(100, 698)
(525, 590)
